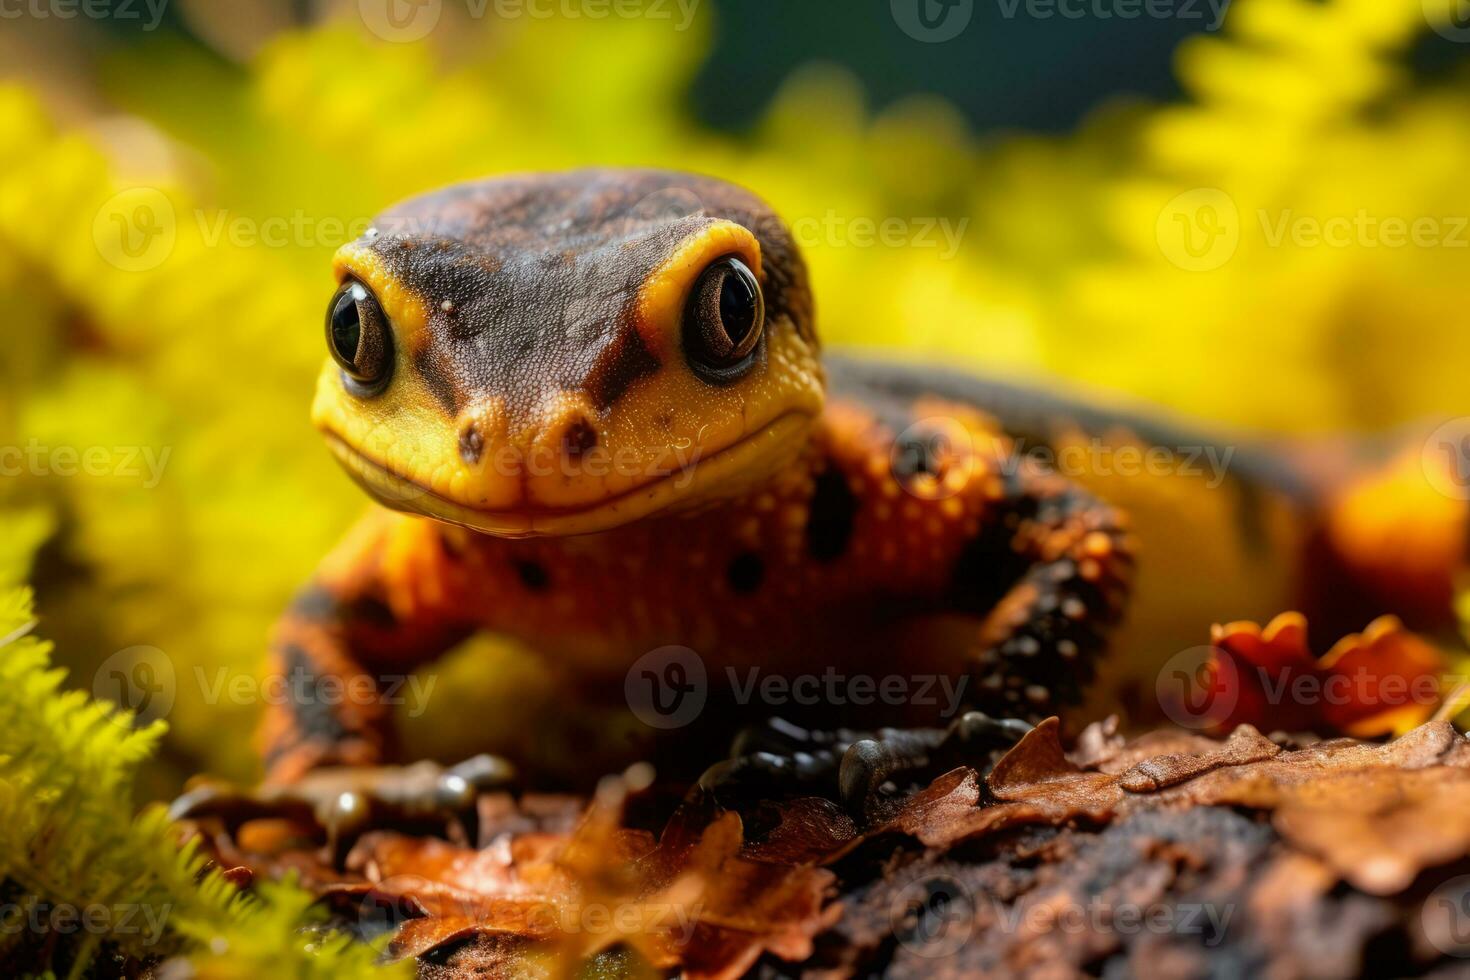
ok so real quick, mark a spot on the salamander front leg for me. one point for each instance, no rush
(779, 760)
(1050, 576)
(339, 660)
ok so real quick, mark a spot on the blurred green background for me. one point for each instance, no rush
(1255, 213)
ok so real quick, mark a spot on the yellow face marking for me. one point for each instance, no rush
(671, 440)
(661, 300)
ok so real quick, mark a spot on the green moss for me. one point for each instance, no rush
(87, 885)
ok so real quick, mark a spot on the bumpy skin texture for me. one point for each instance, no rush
(796, 534)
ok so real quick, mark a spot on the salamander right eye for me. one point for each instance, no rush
(724, 319)
(359, 338)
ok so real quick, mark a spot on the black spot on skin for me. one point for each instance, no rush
(988, 567)
(833, 510)
(533, 576)
(372, 611)
(317, 605)
(311, 710)
(746, 573)
(471, 444)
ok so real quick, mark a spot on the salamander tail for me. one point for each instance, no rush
(1399, 533)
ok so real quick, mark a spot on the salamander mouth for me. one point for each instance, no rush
(396, 491)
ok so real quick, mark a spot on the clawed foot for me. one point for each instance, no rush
(781, 759)
(347, 802)
(872, 764)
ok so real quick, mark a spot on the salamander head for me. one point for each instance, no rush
(565, 353)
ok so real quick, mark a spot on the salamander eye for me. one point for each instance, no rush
(724, 319)
(358, 337)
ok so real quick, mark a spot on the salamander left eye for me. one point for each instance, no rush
(358, 336)
(724, 319)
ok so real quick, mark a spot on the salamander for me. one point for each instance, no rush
(597, 414)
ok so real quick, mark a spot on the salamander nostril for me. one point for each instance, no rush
(579, 437)
(471, 443)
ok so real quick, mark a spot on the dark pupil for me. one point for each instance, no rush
(347, 326)
(737, 306)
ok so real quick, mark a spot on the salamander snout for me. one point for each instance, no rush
(568, 430)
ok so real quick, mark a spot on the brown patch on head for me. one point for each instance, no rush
(559, 300)
(625, 361)
(532, 283)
